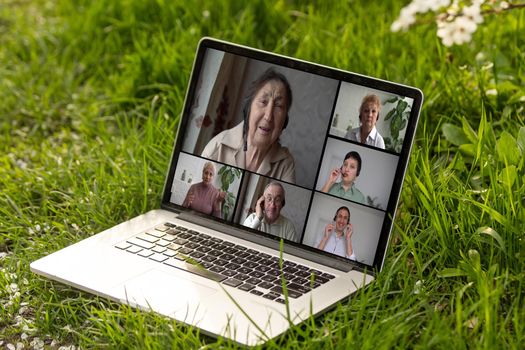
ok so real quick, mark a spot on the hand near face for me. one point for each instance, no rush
(334, 174)
(348, 232)
(328, 230)
(259, 207)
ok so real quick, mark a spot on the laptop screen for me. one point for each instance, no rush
(293, 150)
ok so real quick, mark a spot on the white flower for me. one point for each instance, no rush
(473, 12)
(504, 5)
(491, 92)
(458, 31)
(407, 17)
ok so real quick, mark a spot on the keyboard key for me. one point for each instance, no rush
(221, 262)
(134, 249)
(291, 293)
(271, 296)
(233, 266)
(238, 261)
(252, 251)
(265, 285)
(191, 245)
(162, 228)
(231, 250)
(241, 276)
(163, 243)
(320, 279)
(169, 238)
(256, 274)
(123, 245)
(232, 282)
(227, 257)
(244, 270)
(327, 275)
(217, 269)
(203, 249)
(215, 253)
(256, 292)
(140, 243)
(147, 238)
(269, 278)
(298, 288)
(208, 258)
(169, 253)
(250, 264)
(145, 253)
(243, 254)
(240, 247)
(185, 250)
(280, 300)
(196, 255)
(303, 274)
(180, 241)
(158, 257)
(262, 268)
(253, 280)
(229, 273)
(155, 233)
(158, 249)
(174, 246)
(246, 287)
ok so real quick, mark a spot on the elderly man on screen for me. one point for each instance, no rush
(267, 216)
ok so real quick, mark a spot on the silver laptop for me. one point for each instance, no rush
(278, 202)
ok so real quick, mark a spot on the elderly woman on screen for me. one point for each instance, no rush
(368, 115)
(254, 143)
(203, 196)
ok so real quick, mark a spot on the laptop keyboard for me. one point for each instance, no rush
(225, 262)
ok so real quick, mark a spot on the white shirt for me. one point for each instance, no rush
(336, 245)
(282, 227)
(373, 139)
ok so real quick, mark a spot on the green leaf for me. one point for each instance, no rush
(521, 140)
(469, 132)
(507, 148)
(492, 233)
(392, 100)
(451, 272)
(508, 175)
(390, 114)
(401, 106)
(454, 134)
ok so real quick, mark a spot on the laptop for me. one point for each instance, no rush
(278, 202)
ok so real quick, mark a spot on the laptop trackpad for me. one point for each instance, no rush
(164, 293)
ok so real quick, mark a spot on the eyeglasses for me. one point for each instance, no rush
(274, 200)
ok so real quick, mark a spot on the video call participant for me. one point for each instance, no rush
(349, 171)
(368, 115)
(337, 236)
(203, 196)
(254, 143)
(267, 216)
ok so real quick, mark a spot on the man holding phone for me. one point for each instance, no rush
(267, 216)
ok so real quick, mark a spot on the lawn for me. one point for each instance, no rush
(91, 93)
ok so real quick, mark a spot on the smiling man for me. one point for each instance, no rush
(254, 143)
(267, 216)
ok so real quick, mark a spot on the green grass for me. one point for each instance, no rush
(90, 95)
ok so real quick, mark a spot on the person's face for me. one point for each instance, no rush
(273, 203)
(267, 114)
(207, 175)
(341, 220)
(369, 114)
(349, 170)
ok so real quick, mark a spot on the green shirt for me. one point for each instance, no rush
(352, 194)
